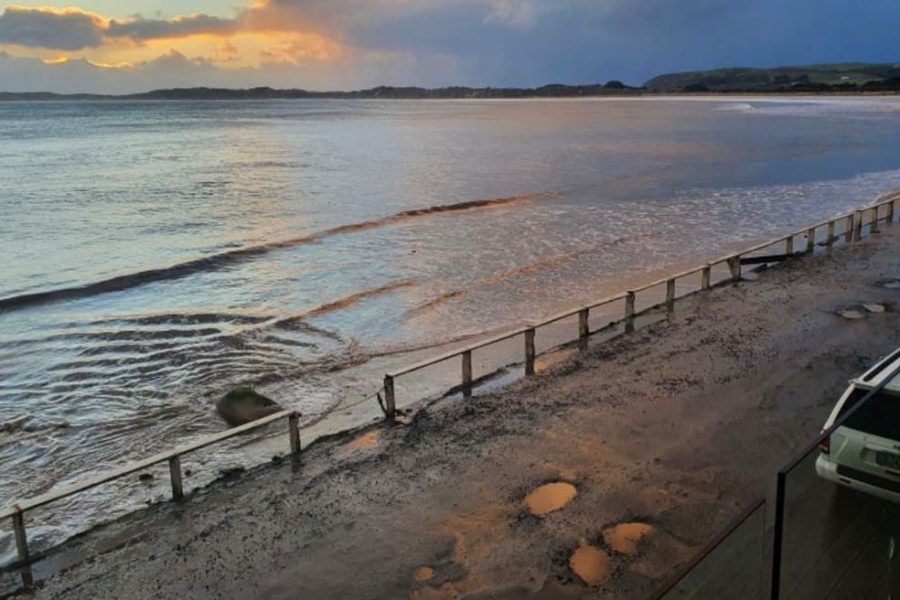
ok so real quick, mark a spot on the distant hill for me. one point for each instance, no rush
(612, 88)
(838, 78)
(850, 77)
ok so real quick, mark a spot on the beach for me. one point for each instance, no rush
(670, 430)
(346, 240)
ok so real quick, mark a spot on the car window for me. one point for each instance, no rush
(879, 416)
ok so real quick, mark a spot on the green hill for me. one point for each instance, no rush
(813, 78)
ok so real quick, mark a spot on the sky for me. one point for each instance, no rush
(125, 46)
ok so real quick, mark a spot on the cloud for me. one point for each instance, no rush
(521, 14)
(57, 29)
(179, 27)
(75, 29)
(356, 43)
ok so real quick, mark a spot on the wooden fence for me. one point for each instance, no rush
(853, 224)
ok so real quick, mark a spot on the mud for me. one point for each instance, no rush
(678, 425)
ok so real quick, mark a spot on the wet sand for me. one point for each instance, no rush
(664, 433)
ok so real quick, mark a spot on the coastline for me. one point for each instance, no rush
(610, 420)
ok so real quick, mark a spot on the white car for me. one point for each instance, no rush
(864, 452)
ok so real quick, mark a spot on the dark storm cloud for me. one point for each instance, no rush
(74, 29)
(56, 29)
(179, 27)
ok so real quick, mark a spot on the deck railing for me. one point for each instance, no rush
(854, 224)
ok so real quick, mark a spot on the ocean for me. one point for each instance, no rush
(157, 254)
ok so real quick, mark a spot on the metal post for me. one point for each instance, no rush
(529, 351)
(294, 432)
(22, 547)
(830, 233)
(705, 277)
(584, 328)
(778, 536)
(810, 239)
(175, 476)
(789, 245)
(467, 369)
(848, 235)
(390, 406)
(670, 296)
(629, 311)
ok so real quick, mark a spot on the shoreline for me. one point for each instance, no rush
(499, 365)
(481, 456)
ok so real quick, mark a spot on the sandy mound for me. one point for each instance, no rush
(550, 497)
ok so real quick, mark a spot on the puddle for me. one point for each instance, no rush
(625, 537)
(366, 441)
(591, 564)
(550, 497)
(423, 574)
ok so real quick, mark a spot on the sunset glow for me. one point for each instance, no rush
(316, 44)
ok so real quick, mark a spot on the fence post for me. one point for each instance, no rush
(670, 296)
(175, 477)
(778, 536)
(890, 211)
(584, 328)
(848, 235)
(810, 240)
(529, 351)
(830, 233)
(874, 228)
(734, 265)
(22, 547)
(705, 277)
(467, 369)
(858, 225)
(789, 245)
(294, 432)
(629, 311)
(390, 405)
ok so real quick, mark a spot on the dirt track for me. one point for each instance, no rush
(678, 426)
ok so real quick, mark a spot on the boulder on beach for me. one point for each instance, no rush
(243, 405)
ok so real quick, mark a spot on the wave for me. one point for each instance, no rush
(348, 301)
(442, 299)
(223, 259)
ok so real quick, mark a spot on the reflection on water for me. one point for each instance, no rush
(158, 254)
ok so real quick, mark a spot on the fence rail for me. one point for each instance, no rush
(173, 457)
(854, 223)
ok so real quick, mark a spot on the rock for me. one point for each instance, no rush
(145, 477)
(851, 314)
(231, 473)
(243, 405)
(751, 276)
(874, 308)
(892, 285)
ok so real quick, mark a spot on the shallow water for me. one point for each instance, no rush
(159, 253)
